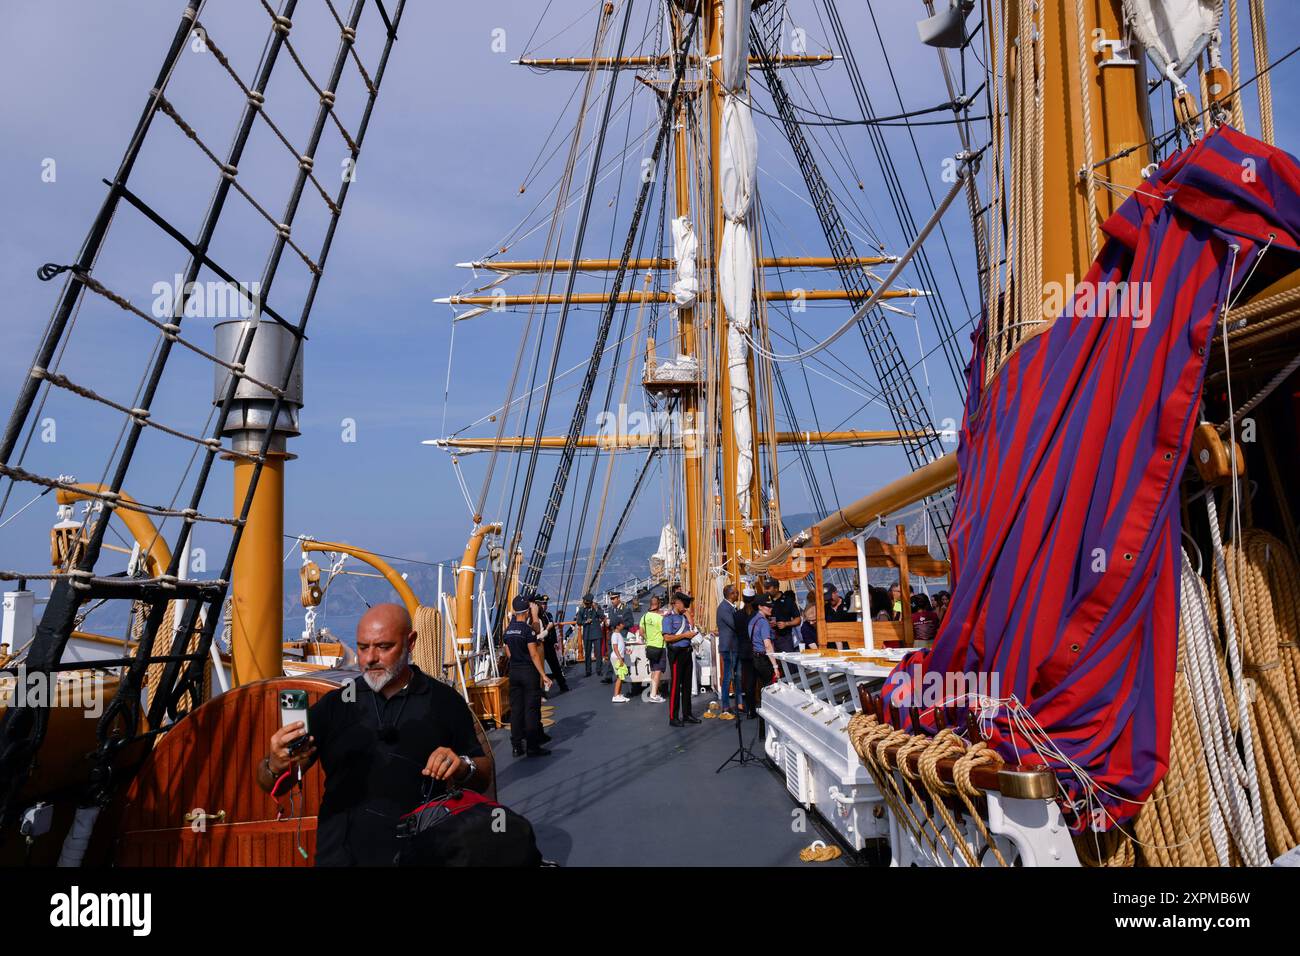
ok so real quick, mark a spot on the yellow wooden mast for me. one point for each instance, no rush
(740, 535)
(694, 473)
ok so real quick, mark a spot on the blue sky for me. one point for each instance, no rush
(456, 130)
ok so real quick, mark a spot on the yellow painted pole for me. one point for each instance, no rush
(404, 591)
(465, 580)
(738, 539)
(662, 298)
(646, 440)
(693, 470)
(257, 584)
(661, 264)
(911, 488)
(1116, 114)
(1115, 109)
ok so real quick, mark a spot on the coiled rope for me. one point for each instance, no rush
(1265, 582)
(430, 651)
(871, 738)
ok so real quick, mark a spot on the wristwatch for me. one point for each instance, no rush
(469, 762)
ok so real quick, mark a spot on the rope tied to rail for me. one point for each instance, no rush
(978, 755)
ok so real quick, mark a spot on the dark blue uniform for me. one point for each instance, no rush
(525, 687)
(549, 644)
(785, 608)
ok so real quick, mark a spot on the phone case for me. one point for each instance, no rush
(293, 708)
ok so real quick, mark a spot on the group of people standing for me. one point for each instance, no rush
(593, 620)
(531, 642)
(668, 650)
(753, 627)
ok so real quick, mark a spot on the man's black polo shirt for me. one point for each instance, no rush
(369, 782)
(786, 608)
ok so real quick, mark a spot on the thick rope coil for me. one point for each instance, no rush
(865, 732)
(428, 651)
(1112, 848)
(1181, 825)
(871, 738)
(1265, 582)
(819, 852)
(1254, 850)
(1214, 705)
(914, 804)
(167, 642)
(976, 756)
(945, 744)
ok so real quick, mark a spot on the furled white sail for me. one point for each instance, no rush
(685, 247)
(738, 169)
(736, 272)
(1174, 32)
(737, 365)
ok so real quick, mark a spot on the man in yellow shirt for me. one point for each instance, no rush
(652, 629)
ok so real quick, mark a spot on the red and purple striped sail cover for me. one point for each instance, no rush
(1074, 453)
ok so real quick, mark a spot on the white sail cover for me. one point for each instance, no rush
(738, 168)
(668, 558)
(685, 369)
(736, 273)
(737, 365)
(1174, 32)
(686, 245)
(735, 43)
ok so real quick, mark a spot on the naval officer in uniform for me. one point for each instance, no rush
(550, 639)
(527, 678)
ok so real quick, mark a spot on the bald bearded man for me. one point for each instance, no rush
(380, 740)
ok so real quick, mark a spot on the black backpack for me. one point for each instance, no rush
(464, 828)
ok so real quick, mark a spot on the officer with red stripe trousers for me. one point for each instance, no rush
(678, 631)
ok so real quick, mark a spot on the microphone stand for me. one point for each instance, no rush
(743, 754)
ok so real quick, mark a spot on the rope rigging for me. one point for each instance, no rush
(529, 579)
(903, 399)
(171, 655)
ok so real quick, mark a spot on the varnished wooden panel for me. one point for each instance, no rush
(208, 761)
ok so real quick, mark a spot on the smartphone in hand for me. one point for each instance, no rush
(293, 708)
